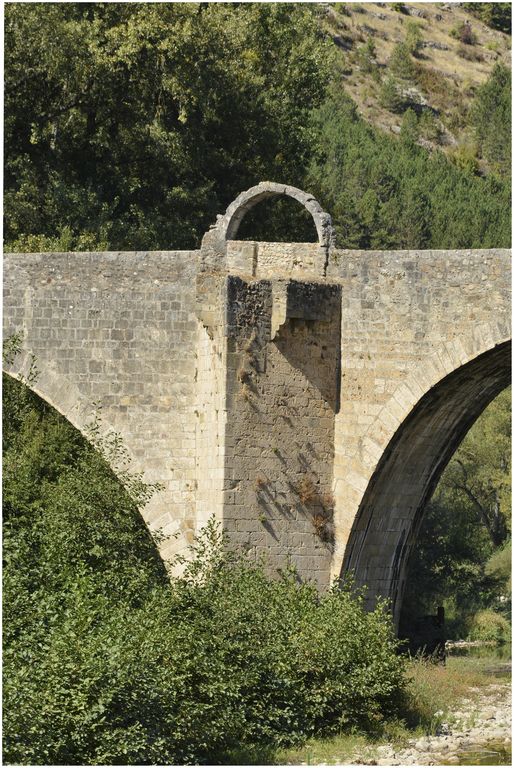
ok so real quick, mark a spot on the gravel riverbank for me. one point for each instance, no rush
(479, 721)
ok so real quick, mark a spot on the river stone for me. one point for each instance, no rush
(385, 749)
(496, 735)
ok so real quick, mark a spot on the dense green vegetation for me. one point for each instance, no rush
(462, 559)
(108, 662)
(495, 15)
(130, 126)
(490, 118)
(386, 193)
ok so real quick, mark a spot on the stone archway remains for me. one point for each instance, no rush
(214, 243)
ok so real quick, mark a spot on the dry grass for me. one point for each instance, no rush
(447, 75)
(306, 490)
(435, 688)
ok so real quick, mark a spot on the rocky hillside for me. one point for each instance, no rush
(429, 57)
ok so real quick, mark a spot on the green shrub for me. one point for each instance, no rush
(106, 661)
(366, 56)
(413, 37)
(410, 128)
(342, 8)
(499, 567)
(489, 626)
(401, 63)
(429, 127)
(390, 96)
(465, 157)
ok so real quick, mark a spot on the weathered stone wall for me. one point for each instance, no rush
(275, 260)
(409, 319)
(283, 391)
(120, 330)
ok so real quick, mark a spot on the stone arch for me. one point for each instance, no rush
(226, 226)
(442, 361)
(410, 466)
(59, 392)
(238, 209)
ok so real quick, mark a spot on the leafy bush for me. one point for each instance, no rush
(499, 568)
(489, 626)
(214, 99)
(106, 661)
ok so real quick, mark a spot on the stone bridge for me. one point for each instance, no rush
(306, 396)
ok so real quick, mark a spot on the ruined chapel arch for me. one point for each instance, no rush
(227, 225)
(238, 209)
(390, 512)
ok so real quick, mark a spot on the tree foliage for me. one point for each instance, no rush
(135, 124)
(413, 199)
(491, 119)
(131, 125)
(495, 15)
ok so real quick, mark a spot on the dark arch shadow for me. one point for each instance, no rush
(391, 510)
(277, 219)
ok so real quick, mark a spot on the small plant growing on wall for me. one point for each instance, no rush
(243, 374)
(328, 501)
(245, 392)
(306, 490)
(322, 527)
